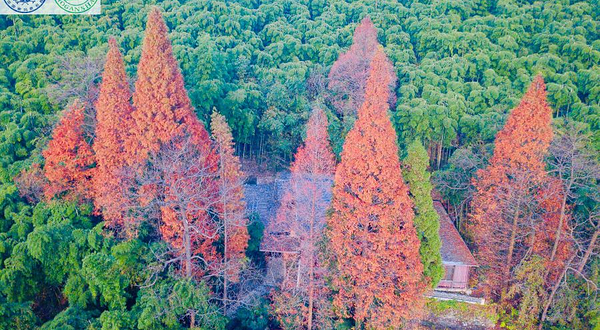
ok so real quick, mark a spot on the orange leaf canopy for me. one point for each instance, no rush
(371, 232)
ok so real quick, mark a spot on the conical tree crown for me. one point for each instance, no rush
(163, 111)
(113, 115)
(372, 237)
(69, 158)
(302, 216)
(524, 141)
(506, 190)
(364, 40)
(426, 220)
(315, 156)
(181, 173)
(231, 205)
(349, 74)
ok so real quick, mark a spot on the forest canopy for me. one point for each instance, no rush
(252, 73)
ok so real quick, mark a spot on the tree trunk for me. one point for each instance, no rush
(298, 272)
(225, 275)
(187, 248)
(188, 261)
(554, 289)
(589, 250)
(311, 274)
(511, 249)
(563, 211)
(582, 263)
(192, 319)
(225, 233)
(439, 155)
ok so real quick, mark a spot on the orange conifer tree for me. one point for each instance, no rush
(550, 240)
(69, 158)
(372, 238)
(113, 115)
(163, 111)
(230, 206)
(302, 217)
(349, 73)
(506, 190)
(172, 154)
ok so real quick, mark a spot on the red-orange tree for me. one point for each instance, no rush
(172, 155)
(300, 302)
(113, 115)
(506, 191)
(372, 238)
(163, 111)
(230, 205)
(69, 158)
(349, 73)
(551, 240)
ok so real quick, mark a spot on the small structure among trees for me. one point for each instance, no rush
(457, 259)
(456, 256)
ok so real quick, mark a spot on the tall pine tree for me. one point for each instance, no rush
(348, 75)
(426, 218)
(69, 158)
(372, 239)
(301, 301)
(113, 115)
(506, 191)
(231, 207)
(163, 111)
(172, 154)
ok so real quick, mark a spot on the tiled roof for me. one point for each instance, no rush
(282, 244)
(454, 250)
(264, 198)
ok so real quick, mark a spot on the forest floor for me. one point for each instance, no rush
(455, 315)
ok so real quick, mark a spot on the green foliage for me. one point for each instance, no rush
(71, 318)
(576, 305)
(462, 65)
(454, 181)
(254, 318)
(462, 310)
(426, 219)
(529, 293)
(16, 316)
(256, 231)
(162, 305)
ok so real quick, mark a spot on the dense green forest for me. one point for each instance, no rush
(461, 67)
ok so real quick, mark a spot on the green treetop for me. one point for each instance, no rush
(426, 218)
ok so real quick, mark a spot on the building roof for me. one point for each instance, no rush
(280, 244)
(454, 250)
(263, 195)
(264, 198)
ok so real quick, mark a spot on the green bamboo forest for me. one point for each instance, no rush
(389, 128)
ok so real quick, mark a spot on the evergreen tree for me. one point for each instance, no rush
(113, 116)
(372, 238)
(426, 218)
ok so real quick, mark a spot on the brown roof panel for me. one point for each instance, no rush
(454, 250)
